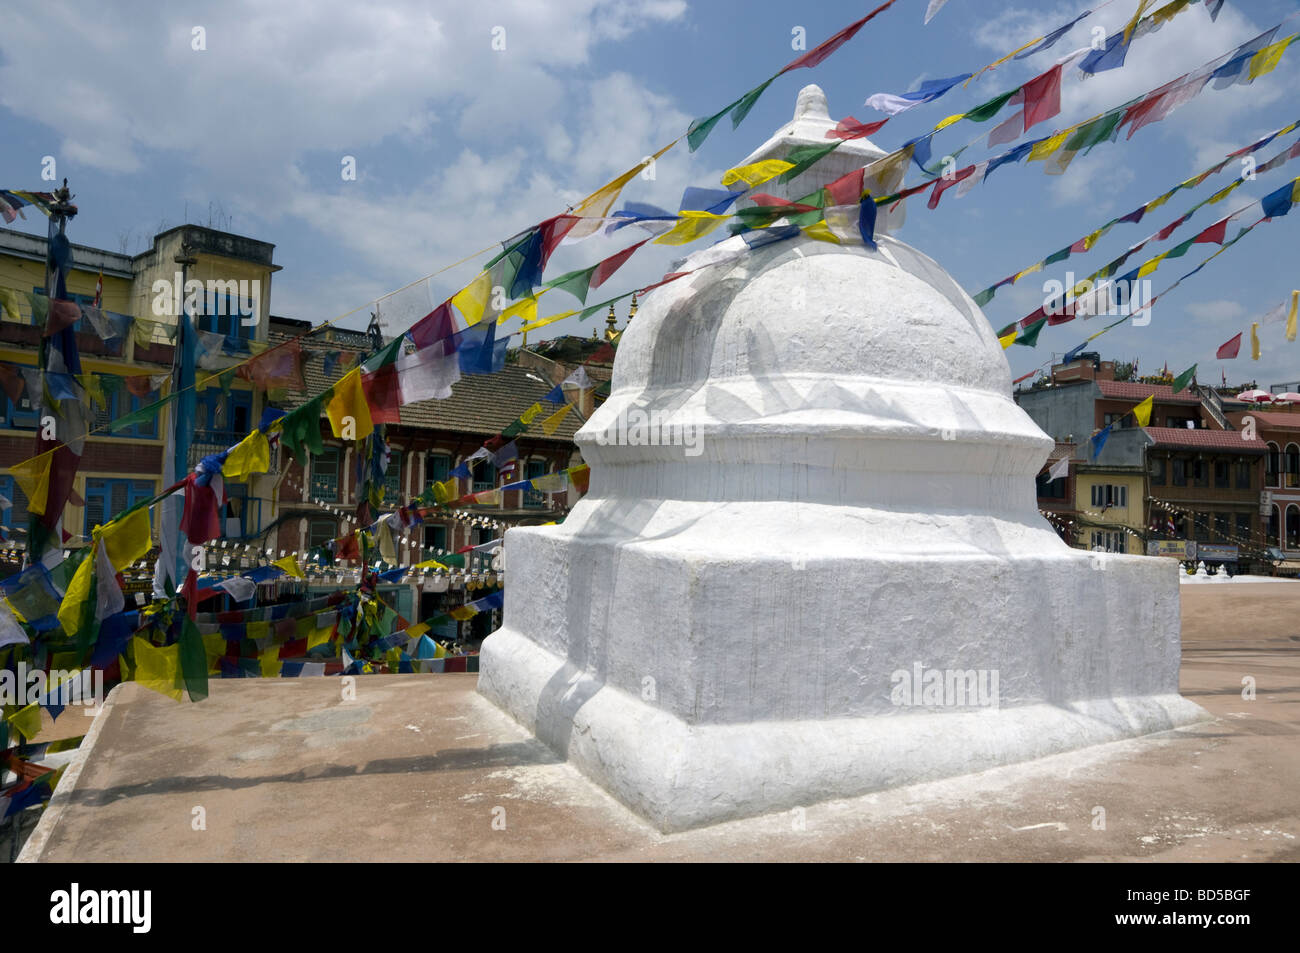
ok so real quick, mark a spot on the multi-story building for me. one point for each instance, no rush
(1279, 498)
(432, 439)
(121, 468)
(1187, 476)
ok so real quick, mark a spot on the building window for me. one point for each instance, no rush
(435, 536)
(1292, 461)
(20, 414)
(1221, 523)
(1274, 526)
(1119, 421)
(1243, 527)
(438, 466)
(1272, 466)
(1159, 468)
(1179, 472)
(485, 476)
(1201, 527)
(221, 314)
(1243, 475)
(223, 418)
(1200, 473)
(321, 532)
(325, 475)
(393, 478)
(107, 499)
(15, 515)
(1110, 495)
(1051, 489)
(532, 498)
(1293, 527)
(121, 402)
(1221, 474)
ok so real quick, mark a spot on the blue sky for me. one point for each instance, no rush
(459, 145)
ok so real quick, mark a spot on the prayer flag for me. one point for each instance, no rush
(1142, 412)
(1229, 349)
(347, 408)
(756, 173)
(251, 455)
(1042, 97)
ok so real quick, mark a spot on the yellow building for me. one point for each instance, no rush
(1110, 506)
(232, 305)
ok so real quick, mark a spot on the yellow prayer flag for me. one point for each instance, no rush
(77, 594)
(1037, 266)
(1092, 239)
(1142, 412)
(34, 477)
(439, 651)
(461, 613)
(552, 423)
(1137, 15)
(949, 121)
(318, 637)
(821, 232)
(598, 203)
(446, 491)
(543, 322)
(27, 721)
(348, 411)
(528, 415)
(691, 224)
(1254, 341)
(9, 302)
(1291, 318)
(159, 669)
(471, 300)
(1266, 59)
(524, 308)
(126, 538)
(417, 630)
(251, 455)
(1008, 339)
(756, 173)
(269, 661)
(214, 647)
(1147, 267)
(429, 564)
(290, 565)
(1047, 146)
(257, 630)
(94, 389)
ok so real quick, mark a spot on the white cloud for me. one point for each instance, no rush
(1217, 310)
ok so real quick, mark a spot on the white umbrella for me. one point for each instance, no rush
(1255, 396)
(1290, 397)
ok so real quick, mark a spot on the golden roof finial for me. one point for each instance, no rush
(610, 321)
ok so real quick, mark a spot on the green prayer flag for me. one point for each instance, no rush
(514, 428)
(1178, 251)
(1053, 258)
(576, 283)
(984, 297)
(1185, 378)
(588, 312)
(805, 156)
(1030, 337)
(194, 660)
(384, 356)
(1099, 130)
(746, 103)
(300, 429)
(142, 415)
(988, 110)
(700, 128)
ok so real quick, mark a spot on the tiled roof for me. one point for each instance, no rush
(1202, 439)
(479, 404)
(1061, 451)
(1129, 390)
(1276, 420)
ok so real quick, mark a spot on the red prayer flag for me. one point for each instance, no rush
(12, 382)
(847, 189)
(1169, 229)
(824, 49)
(602, 272)
(62, 314)
(1214, 233)
(850, 128)
(437, 325)
(943, 183)
(140, 385)
(553, 231)
(1033, 318)
(382, 394)
(1042, 97)
(1229, 350)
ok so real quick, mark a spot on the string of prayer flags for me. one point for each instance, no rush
(1136, 215)
(598, 204)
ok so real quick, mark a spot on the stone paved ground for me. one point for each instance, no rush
(285, 770)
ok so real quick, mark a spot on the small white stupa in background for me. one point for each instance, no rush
(811, 563)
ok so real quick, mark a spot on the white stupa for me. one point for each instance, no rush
(749, 619)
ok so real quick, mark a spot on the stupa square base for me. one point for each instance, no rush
(713, 685)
